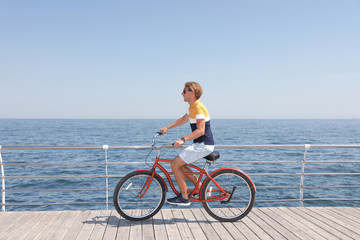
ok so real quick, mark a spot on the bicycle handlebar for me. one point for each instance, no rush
(156, 134)
(163, 146)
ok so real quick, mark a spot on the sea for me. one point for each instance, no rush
(32, 177)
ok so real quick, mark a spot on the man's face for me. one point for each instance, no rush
(187, 94)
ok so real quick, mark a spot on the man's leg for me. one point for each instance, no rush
(177, 167)
(191, 177)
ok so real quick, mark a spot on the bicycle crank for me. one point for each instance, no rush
(229, 199)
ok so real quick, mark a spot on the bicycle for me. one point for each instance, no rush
(227, 194)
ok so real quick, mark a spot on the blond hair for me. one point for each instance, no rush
(194, 87)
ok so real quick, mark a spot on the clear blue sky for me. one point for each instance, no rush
(130, 59)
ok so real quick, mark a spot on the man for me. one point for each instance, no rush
(203, 142)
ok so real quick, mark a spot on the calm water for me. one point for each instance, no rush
(139, 132)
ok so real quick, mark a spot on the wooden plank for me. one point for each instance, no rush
(249, 222)
(181, 224)
(268, 217)
(52, 227)
(278, 222)
(354, 221)
(171, 228)
(337, 223)
(135, 229)
(46, 225)
(8, 219)
(348, 212)
(238, 229)
(314, 224)
(261, 223)
(353, 212)
(294, 225)
(194, 226)
(65, 223)
(325, 223)
(88, 225)
(245, 230)
(289, 227)
(27, 229)
(307, 227)
(159, 227)
(148, 229)
(100, 225)
(123, 231)
(12, 227)
(264, 225)
(49, 228)
(16, 229)
(207, 228)
(218, 226)
(76, 226)
(112, 226)
(39, 226)
(234, 231)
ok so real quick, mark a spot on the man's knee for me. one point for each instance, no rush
(177, 163)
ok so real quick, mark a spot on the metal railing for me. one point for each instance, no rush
(106, 189)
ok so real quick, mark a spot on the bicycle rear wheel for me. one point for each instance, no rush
(242, 199)
(128, 199)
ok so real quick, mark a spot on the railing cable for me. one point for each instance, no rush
(2, 184)
(107, 176)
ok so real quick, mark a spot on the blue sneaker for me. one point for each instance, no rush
(179, 200)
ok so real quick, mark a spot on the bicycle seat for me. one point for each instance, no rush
(212, 156)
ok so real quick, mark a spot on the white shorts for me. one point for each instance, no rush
(196, 152)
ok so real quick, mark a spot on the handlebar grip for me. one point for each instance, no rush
(160, 133)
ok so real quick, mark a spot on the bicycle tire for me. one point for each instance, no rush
(241, 202)
(130, 205)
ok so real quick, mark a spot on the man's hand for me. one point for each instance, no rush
(178, 143)
(164, 130)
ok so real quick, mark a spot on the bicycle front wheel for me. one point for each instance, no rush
(242, 192)
(136, 199)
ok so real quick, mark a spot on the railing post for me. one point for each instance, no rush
(2, 184)
(106, 147)
(307, 146)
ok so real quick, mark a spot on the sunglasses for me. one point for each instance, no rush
(184, 91)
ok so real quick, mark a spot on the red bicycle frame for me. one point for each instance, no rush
(201, 171)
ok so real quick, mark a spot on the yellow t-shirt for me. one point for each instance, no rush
(198, 111)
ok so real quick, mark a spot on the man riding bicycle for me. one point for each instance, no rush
(203, 141)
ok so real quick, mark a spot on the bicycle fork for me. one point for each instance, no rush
(146, 186)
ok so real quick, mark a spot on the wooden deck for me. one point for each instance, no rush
(262, 223)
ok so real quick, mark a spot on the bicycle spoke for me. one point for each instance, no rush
(239, 202)
(135, 199)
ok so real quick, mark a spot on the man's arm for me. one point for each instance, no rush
(181, 121)
(200, 130)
